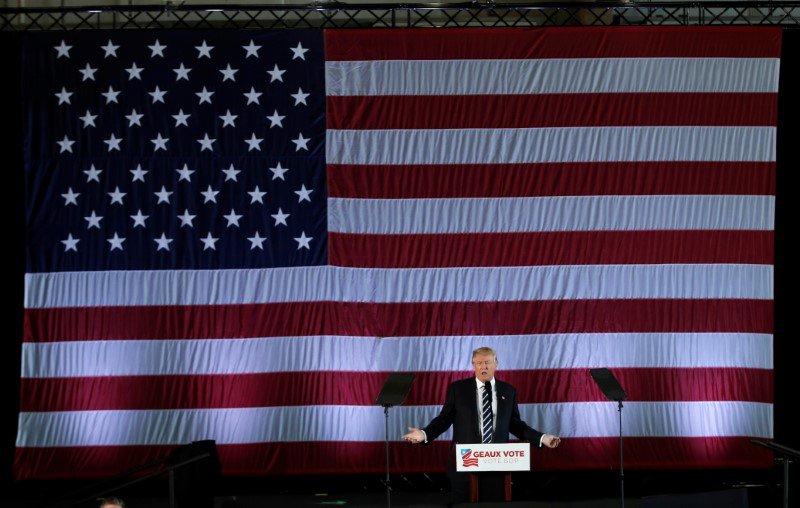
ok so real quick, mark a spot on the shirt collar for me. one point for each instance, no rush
(481, 383)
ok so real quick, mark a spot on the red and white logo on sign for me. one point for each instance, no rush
(467, 458)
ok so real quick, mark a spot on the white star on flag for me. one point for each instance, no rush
(134, 118)
(276, 74)
(110, 49)
(299, 52)
(63, 96)
(93, 220)
(113, 142)
(230, 173)
(65, 144)
(87, 72)
(63, 50)
(138, 173)
(71, 198)
(157, 49)
(252, 96)
(280, 217)
(252, 49)
(303, 242)
(139, 218)
(205, 96)
(204, 50)
(275, 120)
(70, 243)
(92, 174)
(228, 73)
(187, 218)
(116, 242)
(163, 242)
(182, 73)
(111, 95)
(163, 195)
(301, 143)
(304, 194)
(157, 95)
(228, 119)
(300, 97)
(257, 241)
(254, 143)
(209, 195)
(134, 72)
(180, 118)
(256, 195)
(232, 218)
(116, 196)
(159, 143)
(209, 242)
(88, 119)
(206, 142)
(185, 173)
(278, 172)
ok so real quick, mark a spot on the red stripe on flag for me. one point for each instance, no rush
(369, 457)
(551, 179)
(550, 248)
(359, 388)
(527, 43)
(399, 319)
(551, 110)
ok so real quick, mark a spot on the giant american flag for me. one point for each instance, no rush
(236, 235)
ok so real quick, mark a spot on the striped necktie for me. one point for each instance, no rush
(487, 416)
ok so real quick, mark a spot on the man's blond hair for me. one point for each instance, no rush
(111, 501)
(485, 351)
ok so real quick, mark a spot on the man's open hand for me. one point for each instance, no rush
(415, 436)
(551, 441)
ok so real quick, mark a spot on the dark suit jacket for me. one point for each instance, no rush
(461, 411)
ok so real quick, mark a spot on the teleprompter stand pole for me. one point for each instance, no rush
(611, 388)
(393, 393)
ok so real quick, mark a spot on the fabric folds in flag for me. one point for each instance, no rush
(236, 236)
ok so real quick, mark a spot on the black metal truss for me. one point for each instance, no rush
(341, 15)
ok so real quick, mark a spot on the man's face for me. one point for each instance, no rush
(109, 505)
(484, 366)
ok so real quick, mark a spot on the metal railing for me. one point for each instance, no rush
(342, 15)
(179, 458)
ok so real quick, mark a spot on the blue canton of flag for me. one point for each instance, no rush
(160, 150)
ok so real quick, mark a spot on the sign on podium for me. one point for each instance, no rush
(477, 458)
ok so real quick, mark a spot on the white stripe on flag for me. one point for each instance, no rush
(376, 285)
(573, 75)
(556, 144)
(560, 213)
(393, 354)
(366, 423)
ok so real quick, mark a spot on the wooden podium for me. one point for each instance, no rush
(474, 491)
(494, 457)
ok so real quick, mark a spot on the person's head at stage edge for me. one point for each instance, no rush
(111, 502)
(484, 362)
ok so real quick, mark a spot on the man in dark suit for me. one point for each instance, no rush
(481, 410)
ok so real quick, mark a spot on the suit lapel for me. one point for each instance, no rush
(501, 401)
(473, 410)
